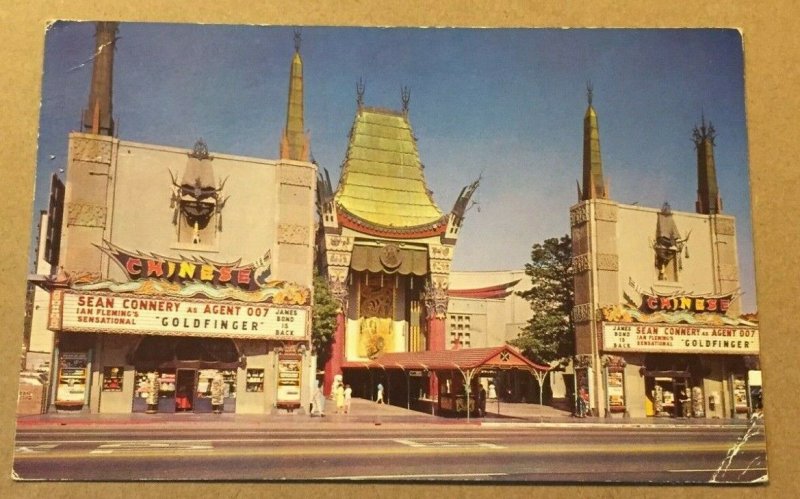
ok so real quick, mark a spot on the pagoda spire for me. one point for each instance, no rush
(294, 142)
(97, 117)
(594, 186)
(709, 201)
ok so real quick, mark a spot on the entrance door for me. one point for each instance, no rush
(665, 393)
(683, 407)
(185, 383)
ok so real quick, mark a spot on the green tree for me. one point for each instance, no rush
(323, 321)
(550, 333)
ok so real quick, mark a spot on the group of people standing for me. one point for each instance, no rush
(344, 397)
(341, 393)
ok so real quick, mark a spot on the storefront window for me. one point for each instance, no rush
(255, 380)
(72, 373)
(739, 388)
(289, 377)
(113, 378)
(616, 390)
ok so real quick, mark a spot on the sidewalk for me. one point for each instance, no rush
(364, 414)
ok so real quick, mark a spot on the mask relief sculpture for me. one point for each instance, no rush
(196, 201)
(668, 246)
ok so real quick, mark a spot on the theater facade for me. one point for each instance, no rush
(659, 329)
(184, 279)
(386, 249)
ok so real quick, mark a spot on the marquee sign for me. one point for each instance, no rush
(126, 313)
(680, 338)
(183, 270)
(699, 304)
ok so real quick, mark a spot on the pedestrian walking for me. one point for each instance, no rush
(339, 398)
(379, 397)
(482, 402)
(583, 402)
(348, 398)
(318, 402)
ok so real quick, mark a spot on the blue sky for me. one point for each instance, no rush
(507, 103)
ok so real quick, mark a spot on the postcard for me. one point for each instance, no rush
(391, 255)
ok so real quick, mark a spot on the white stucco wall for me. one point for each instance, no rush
(492, 321)
(636, 232)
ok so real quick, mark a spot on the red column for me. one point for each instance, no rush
(334, 364)
(436, 334)
(435, 343)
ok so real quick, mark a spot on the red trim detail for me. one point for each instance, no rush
(497, 291)
(351, 222)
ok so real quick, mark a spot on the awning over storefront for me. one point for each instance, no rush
(500, 357)
(389, 259)
(165, 352)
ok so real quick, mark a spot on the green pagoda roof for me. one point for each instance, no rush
(382, 182)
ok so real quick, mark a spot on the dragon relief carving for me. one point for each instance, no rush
(580, 263)
(337, 283)
(579, 214)
(582, 313)
(440, 266)
(339, 243)
(435, 296)
(341, 258)
(613, 361)
(440, 252)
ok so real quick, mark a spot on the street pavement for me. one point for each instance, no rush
(369, 413)
(381, 443)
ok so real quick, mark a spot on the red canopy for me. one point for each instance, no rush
(500, 357)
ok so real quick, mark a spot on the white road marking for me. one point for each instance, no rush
(491, 446)
(402, 477)
(409, 443)
(440, 444)
(35, 448)
(137, 446)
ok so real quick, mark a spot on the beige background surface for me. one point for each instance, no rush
(771, 62)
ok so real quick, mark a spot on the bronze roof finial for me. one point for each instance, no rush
(360, 92)
(704, 132)
(405, 96)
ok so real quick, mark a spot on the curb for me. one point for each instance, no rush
(363, 423)
(527, 424)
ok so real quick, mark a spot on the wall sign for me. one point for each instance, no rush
(680, 338)
(120, 313)
(149, 266)
(289, 377)
(699, 304)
